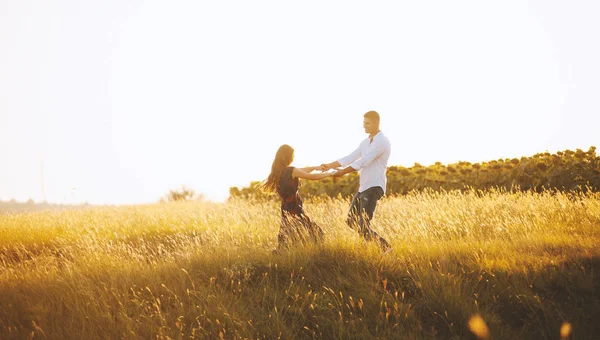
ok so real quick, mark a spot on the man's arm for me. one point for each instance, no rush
(344, 171)
(344, 161)
(374, 152)
(327, 166)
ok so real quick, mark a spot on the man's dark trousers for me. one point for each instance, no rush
(361, 212)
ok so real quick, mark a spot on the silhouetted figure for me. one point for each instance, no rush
(370, 159)
(296, 227)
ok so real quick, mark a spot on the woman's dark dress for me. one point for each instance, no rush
(295, 227)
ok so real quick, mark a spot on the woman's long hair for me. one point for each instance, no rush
(283, 159)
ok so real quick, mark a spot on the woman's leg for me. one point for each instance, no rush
(285, 233)
(315, 232)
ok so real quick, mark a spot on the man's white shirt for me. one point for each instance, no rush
(370, 160)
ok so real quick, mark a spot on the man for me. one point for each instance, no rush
(370, 160)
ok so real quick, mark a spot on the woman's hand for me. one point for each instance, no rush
(306, 173)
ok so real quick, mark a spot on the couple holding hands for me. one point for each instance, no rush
(369, 159)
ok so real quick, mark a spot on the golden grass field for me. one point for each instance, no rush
(502, 265)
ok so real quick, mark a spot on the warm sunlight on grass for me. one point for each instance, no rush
(478, 327)
(495, 264)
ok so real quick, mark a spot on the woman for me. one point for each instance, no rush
(295, 225)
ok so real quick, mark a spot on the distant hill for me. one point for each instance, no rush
(564, 170)
(13, 206)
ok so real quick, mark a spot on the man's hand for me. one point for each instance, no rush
(329, 166)
(343, 171)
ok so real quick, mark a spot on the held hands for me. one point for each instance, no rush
(324, 167)
(336, 173)
(323, 171)
(339, 172)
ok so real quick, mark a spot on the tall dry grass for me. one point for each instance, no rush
(520, 265)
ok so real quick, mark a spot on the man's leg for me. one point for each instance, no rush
(367, 204)
(354, 213)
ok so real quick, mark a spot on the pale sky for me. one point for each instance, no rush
(123, 100)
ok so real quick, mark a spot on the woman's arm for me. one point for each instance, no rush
(311, 168)
(300, 173)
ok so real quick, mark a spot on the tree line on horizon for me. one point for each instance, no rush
(14, 206)
(564, 171)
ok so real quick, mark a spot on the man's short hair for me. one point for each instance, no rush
(372, 115)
